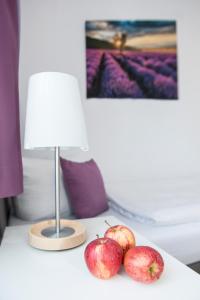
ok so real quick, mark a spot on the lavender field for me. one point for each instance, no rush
(131, 74)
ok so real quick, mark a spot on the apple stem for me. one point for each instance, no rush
(107, 223)
(97, 236)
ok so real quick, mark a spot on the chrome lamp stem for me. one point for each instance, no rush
(57, 231)
(57, 190)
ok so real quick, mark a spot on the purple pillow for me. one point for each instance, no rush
(85, 187)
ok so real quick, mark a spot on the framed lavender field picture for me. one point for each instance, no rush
(131, 59)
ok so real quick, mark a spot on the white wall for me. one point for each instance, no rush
(128, 138)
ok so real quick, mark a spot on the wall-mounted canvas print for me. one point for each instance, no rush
(131, 59)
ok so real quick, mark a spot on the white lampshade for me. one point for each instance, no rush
(54, 115)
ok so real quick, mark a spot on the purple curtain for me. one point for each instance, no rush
(11, 182)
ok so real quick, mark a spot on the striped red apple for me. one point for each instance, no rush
(103, 257)
(144, 264)
(122, 235)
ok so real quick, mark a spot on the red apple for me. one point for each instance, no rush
(103, 257)
(143, 264)
(122, 235)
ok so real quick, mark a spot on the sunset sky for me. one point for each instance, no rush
(140, 34)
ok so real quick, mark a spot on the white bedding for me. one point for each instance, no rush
(149, 205)
(181, 241)
(157, 201)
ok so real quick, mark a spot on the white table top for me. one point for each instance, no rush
(27, 273)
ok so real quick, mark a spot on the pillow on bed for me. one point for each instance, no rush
(37, 201)
(85, 187)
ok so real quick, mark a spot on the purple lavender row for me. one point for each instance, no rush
(171, 62)
(115, 82)
(93, 63)
(160, 67)
(153, 84)
(167, 60)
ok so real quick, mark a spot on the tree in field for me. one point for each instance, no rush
(119, 40)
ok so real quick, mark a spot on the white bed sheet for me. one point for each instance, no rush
(181, 241)
(160, 201)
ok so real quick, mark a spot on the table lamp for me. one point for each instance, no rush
(54, 119)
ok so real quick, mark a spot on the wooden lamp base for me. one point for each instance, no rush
(38, 237)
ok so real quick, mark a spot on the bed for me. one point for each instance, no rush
(165, 210)
(182, 241)
(179, 235)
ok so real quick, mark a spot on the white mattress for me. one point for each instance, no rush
(181, 241)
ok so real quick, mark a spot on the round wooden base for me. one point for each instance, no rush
(37, 239)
